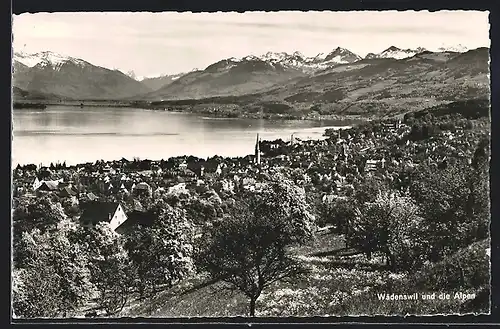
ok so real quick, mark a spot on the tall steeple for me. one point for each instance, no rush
(257, 150)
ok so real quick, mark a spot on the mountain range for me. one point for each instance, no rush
(339, 81)
(156, 82)
(51, 73)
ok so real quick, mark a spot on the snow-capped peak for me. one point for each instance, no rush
(396, 53)
(298, 61)
(45, 58)
(272, 56)
(318, 58)
(132, 74)
(390, 49)
(342, 56)
(160, 76)
(337, 56)
(150, 76)
(251, 58)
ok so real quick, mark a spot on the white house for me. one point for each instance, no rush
(177, 189)
(36, 184)
(97, 211)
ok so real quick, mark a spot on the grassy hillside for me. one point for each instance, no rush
(341, 282)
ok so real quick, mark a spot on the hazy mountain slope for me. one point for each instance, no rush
(20, 75)
(380, 86)
(227, 77)
(52, 73)
(390, 84)
(250, 74)
(155, 83)
(19, 94)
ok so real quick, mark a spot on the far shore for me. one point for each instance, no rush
(347, 119)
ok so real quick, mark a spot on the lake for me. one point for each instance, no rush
(77, 135)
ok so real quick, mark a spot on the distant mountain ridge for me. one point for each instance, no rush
(298, 61)
(396, 53)
(46, 58)
(228, 77)
(156, 82)
(254, 74)
(49, 73)
(68, 77)
(368, 87)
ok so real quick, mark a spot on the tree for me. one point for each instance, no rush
(41, 213)
(30, 214)
(392, 226)
(33, 292)
(111, 269)
(248, 250)
(200, 211)
(162, 252)
(455, 205)
(481, 154)
(340, 213)
(368, 189)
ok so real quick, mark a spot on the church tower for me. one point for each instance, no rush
(257, 150)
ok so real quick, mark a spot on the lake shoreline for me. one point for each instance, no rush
(351, 119)
(82, 135)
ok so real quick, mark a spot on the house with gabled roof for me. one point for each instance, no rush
(67, 191)
(142, 188)
(49, 185)
(36, 184)
(136, 218)
(95, 212)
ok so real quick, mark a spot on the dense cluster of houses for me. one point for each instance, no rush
(330, 166)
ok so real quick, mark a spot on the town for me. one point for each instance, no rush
(345, 165)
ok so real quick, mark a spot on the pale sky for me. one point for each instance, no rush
(170, 42)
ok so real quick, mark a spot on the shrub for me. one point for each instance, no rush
(469, 268)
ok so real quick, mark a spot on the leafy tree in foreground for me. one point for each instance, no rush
(29, 214)
(455, 205)
(390, 225)
(54, 280)
(162, 252)
(340, 213)
(111, 269)
(249, 249)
